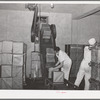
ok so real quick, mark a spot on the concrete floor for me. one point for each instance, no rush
(39, 84)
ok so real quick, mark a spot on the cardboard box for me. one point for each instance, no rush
(6, 83)
(50, 58)
(46, 37)
(50, 73)
(0, 47)
(6, 71)
(19, 47)
(35, 64)
(18, 60)
(95, 55)
(6, 59)
(17, 72)
(17, 83)
(36, 69)
(35, 56)
(7, 47)
(58, 76)
(50, 51)
(46, 32)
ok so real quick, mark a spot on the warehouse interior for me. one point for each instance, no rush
(20, 43)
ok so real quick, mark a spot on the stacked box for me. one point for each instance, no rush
(35, 65)
(36, 68)
(13, 64)
(7, 47)
(50, 56)
(18, 60)
(6, 59)
(17, 71)
(46, 32)
(94, 85)
(35, 56)
(50, 51)
(19, 48)
(17, 83)
(95, 55)
(58, 76)
(6, 71)
(6, 83)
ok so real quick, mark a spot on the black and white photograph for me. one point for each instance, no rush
(50, 46)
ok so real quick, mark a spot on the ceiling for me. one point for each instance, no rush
(74, 9)
(58, 8)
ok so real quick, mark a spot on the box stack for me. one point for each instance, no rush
(12, 64)
(95, 69)
(6, 64)
(46, 32)
(35, 65)
(50, 57)
(19, 66)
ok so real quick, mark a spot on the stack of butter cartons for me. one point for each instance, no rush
(6, 65)
(12, 60)
(50, 60)
(35, 65)
(46, 32)
(50, 57)
(19, 64)
(95, 68)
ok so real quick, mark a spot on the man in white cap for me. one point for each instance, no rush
(85, 68)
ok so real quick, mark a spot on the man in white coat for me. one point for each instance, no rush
(64, 62)
(85, 68)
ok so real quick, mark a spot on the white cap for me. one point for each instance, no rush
(92, 41)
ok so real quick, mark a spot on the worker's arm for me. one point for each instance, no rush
(57, 63)
(59, 66)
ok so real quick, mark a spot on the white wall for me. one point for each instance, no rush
(86, 28)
